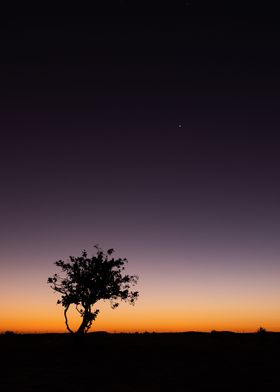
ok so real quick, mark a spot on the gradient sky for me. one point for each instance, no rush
(155, 132)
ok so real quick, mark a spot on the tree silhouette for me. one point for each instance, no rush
(87, 280)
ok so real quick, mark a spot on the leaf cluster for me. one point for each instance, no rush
(86, 280)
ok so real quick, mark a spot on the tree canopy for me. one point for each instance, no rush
(86, 280)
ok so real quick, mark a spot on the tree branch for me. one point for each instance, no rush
(66, 320)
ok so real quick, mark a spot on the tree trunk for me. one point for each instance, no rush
(82, 328)
(86, 323)
(66, 320)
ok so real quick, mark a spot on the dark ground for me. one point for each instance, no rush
(140, 362)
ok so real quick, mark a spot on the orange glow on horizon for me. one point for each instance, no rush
(131, 319)
(172, 302)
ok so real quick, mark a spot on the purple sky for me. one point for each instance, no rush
(159, 138)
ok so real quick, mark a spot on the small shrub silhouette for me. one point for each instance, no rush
(9, 333)
(261, 331)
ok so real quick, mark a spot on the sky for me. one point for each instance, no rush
(152, 130)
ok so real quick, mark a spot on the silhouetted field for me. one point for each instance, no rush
(140, 362)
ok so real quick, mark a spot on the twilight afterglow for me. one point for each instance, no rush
(159, 140)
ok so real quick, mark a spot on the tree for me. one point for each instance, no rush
(86, 280)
